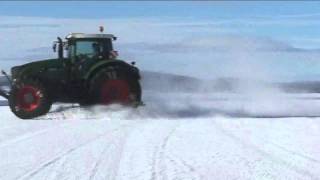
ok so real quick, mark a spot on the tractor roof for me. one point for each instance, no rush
(89, 36)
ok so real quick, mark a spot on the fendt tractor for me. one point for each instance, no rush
(88, 74)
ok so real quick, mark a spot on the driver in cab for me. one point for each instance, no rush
(98, 52)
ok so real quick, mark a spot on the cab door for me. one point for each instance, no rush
(85, 54)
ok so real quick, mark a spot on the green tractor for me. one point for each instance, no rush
(88, 74)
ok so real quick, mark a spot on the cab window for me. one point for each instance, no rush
(92, 49)
(88, 48)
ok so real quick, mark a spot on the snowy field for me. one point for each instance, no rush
(175, 136)
(258, 133)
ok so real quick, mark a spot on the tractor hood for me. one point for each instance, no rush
(35, 67)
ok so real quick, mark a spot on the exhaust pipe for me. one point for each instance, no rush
(60, 48)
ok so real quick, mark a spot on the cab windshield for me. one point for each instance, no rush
(93, 49)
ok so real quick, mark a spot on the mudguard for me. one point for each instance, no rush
(3, 92)
(132, 70)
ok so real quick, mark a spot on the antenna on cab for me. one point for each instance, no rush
(101, 29)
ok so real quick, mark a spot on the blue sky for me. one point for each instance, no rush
(189, 10)
(204, 9)
(205, 39)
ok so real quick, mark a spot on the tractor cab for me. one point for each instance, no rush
(80, 47)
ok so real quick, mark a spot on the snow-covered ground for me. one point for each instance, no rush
(175, 136)
(259, 134)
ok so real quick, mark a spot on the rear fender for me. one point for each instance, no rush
(131, 70)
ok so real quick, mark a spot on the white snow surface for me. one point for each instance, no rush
(259, 134)
(175, 136)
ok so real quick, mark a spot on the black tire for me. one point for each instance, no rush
(114, 74)
(39, 101)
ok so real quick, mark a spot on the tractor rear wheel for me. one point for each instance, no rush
(114, 85)
(29, 99)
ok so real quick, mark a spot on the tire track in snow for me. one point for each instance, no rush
(29, 135)
(272, 157)
(31, 173)
(301, 155)
(158, 165)
(294, 153)
(119, 148)
(161, 154)
(58, 165)
(8, 127)
(183, 165)
(97, 164)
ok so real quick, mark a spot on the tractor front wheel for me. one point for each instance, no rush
(29, 99)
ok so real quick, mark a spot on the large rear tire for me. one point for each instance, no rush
(114, 85)
(29, 99)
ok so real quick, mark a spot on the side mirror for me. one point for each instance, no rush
(54, 47)
(66, 46)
